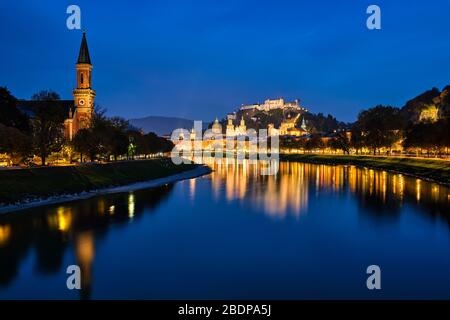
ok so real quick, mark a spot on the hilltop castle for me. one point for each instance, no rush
(273, 104)
(287, 127)
(80, 114)
(288, 123)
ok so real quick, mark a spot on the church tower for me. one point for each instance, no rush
(83, 94)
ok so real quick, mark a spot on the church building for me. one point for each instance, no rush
(78, 111)
(80, 114)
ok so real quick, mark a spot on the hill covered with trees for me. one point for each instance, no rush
(260, 119)
(422, 123)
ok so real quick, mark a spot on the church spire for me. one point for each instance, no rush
(83, 56)
(303, 126)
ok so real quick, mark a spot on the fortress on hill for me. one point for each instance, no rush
(273, 104)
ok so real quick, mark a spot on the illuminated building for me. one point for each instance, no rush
(81, 113)
(274, 104)
(287, 127)
(230, 131)
(216, 127)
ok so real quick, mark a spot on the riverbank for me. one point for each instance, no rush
(426, 169)
(26, 188)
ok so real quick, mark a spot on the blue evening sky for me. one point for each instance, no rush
(202, 59)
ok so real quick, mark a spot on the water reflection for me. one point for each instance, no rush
(131, 205)
(76, 228)
(51, 231)
(378, 192)
(85, 251)
(274, 195)
(5, 233)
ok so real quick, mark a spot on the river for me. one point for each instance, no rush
(310, 231)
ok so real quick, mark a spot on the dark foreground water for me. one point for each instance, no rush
(309, 232)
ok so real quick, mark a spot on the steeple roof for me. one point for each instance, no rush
(83, 56)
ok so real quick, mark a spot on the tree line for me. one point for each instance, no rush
(381, 128)
(23, 136)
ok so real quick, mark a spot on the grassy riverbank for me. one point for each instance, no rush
(436, 170)
(34, 183)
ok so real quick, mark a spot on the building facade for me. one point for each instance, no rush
(274, 104)
(288, 128)
(80, 115)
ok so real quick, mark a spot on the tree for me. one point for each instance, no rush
(85, 143)
(321, 123)
(140, 141)
(445, 134)
(342, 142)
(119, 139)
(110, 134)
(380, 127)
(357, 138)
(314, 142)
(339, 142)
(287, 143)
(114, 137)
(10, 115)
(445, 105)
(95, 139)
(431, 136)
(45, 95)
(15, 143)
(290, 143)
(157, 144)
(47, 125)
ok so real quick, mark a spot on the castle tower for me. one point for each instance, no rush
(230, 128)
(242, 129)
(193, 134)
(216, 127)
(83, 94)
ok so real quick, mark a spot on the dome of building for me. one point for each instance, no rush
(216, 127)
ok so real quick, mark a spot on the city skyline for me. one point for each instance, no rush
(206, 60)
(224, 158)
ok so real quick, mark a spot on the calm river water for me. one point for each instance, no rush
(309, 232)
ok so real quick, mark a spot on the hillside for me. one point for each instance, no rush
(430, 105)
(258, 119)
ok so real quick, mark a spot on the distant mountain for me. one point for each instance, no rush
(161, 125)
